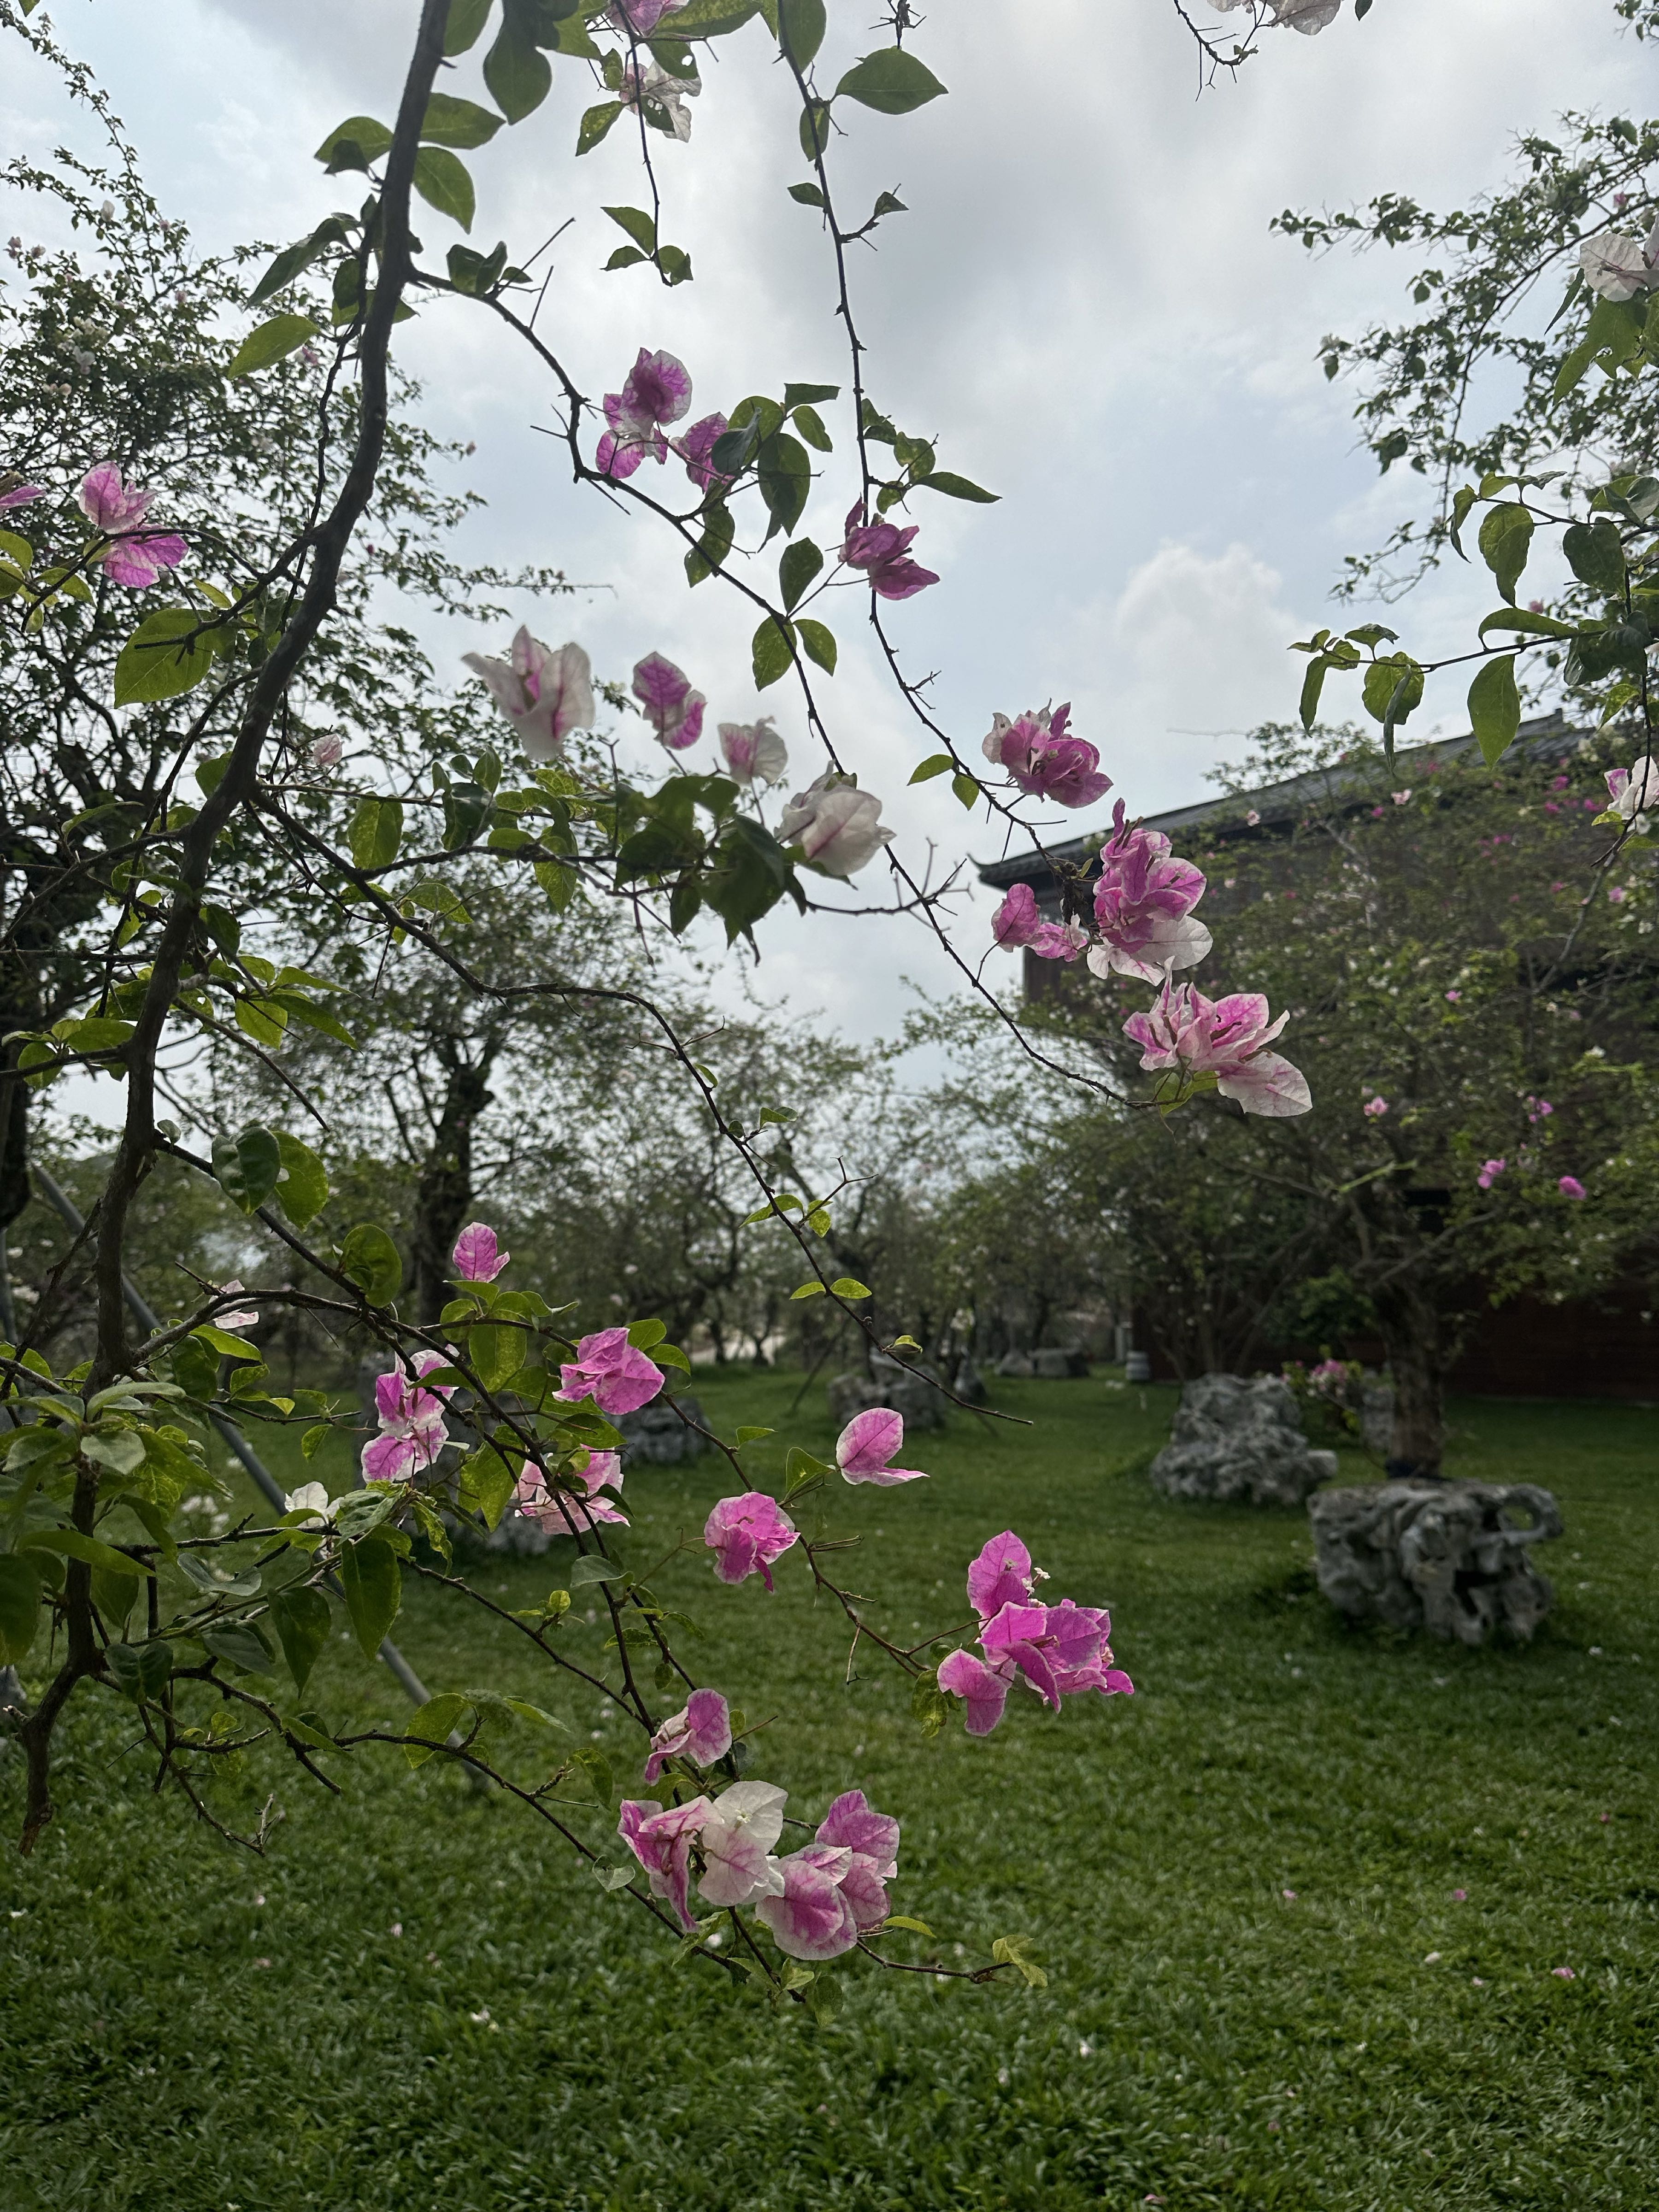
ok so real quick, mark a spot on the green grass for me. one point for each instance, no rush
(165, 2041)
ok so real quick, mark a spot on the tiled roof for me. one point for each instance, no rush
(1277, 804)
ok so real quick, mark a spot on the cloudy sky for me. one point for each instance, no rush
(1085, 305)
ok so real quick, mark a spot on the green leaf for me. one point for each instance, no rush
(141, 1670)
(301, 1188)
(903, 1920)
(451, 122)
(196, 1367)
(935, 764)
(846, 1286)
(370, 1258)
(520, 76)
(375, 831)
(1505, 540)
(442, 180)
(810, 423)
(801, 25)
(1595, 555)
(1495, 707)
(808, 195)
(593, 1569)
(712, 548)
(713, 19)
(1523, 619)
(954, 486)
(638, 225)
(282, 335)
(812, 1289)
(892, 82)
(301, 1617)
(486, 1482)
(496, 1352)
(372, 1584)
(814, 128)
(466, 25)
(354, 144)
(820, 643)
(437, 1720)
(1015, 1951)
(240, 1644)
(87, 1549)
(20, 1608)
(293, 260)
(171, 652)
(801, 561)
(1393, 686)
(967, 789)
(785, 476)
(772, 651)
(248, 1166)
(594, 124)
(476, 273)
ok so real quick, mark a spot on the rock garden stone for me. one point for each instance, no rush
(1059, 1363)
(1238, 1439)
(912, 1398)
(1453, 1558)
(1016, 1363)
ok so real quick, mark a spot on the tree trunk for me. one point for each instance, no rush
(443, 1197)
(1410, 1322)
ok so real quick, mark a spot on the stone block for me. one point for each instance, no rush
(1238, 1439)
(919, 1405)
(1450, 1558)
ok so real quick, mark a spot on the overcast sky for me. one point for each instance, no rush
(1085, 305)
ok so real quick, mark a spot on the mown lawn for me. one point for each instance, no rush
(1242, 1881)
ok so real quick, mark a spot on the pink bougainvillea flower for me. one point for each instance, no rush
(614, 1373)
(673, 709)
(701, 1731)
(867, 1444)
(984, 1691)
(747, 1535)
(544, 695)
(661, 88)
(1144, 901)
(1224, 1037)
(812, 1918)
(1018, 920)
(853, 1824)
(1570, 1186)
(1374, 1108)
(476, 1257)
(1633, 792)
(1490, 1171)
(696, 447)
(1043, 758)
(411, 1421)
(327, 753)
(739, 1837)
(572, 1514)
(1564, 1973)
(660, 1838)
(243, 1317)
(837, 826)
(641, 17)
(754, 752)
(657, 391)
(881, 550)
(1059, 940)
(134, 557)
(1001, 1575)
(20, 494)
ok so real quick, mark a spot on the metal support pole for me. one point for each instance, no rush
(145, 1315)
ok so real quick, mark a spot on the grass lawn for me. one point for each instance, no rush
(1241, 1881)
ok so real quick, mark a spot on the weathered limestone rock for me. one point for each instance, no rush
(657, 1436)
(1377, 1416)
(910, 1397)
(1449, 1557)
(1238, 1439)
(969, 1383)
(1059, 1363)
(1018, 1363)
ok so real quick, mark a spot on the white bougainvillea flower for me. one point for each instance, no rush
(1308, 16)
(754, 752)
(312, 1499)
(837, 826)
(1618, 266)
(543, 694)
(657, 87)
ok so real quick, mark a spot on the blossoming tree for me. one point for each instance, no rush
(237, 634)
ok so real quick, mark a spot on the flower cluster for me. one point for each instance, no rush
(747, 1535)
(572, 1515)
(882, 551)
(700, 1732)
(134, 557)
(543, 694)
(1057, 1650)
(1226, 1038)
(1044, 759)
(412, 1434)
(1144, 902)
(656, 391)
(817, 1901)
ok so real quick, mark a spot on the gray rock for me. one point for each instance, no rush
(969, 1383)
(1016, 1363)
(1238, 1439)
(661, 1436)
(1377, 1416)
(1059, 1363)
(1446, 1557)
(915, 1400)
